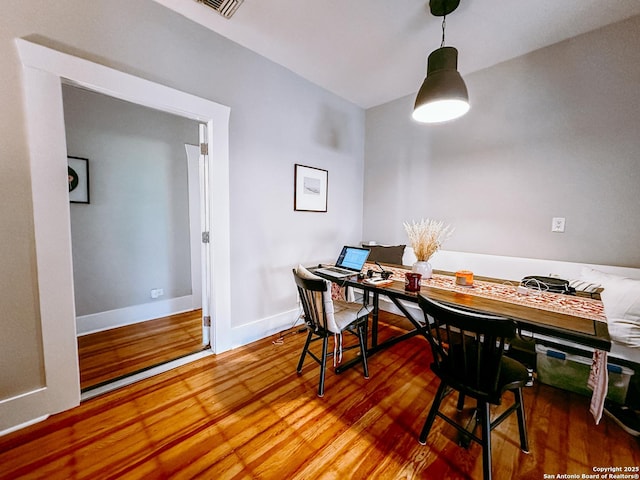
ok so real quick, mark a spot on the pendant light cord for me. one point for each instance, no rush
(444, 22)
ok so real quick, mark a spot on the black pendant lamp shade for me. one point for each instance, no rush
(443, 95)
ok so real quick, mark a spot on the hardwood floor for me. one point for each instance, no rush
(111, 354)
(246, 414)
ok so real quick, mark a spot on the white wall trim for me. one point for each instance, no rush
(23, 425)
(44, 70)
(265, 327)
(97, 322)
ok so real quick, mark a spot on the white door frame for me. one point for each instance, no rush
(44, 70)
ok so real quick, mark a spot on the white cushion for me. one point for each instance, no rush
(621, 299)
(339, 313)
(347, 312)
(306, 274)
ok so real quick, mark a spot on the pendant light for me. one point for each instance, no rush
(443, 95)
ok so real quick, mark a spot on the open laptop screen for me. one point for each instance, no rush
(352, 258)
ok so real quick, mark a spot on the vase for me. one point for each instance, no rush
(423, 268)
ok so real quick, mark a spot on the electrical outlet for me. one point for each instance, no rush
(157, 292)
(557, 224)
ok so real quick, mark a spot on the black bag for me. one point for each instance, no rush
(548, 284)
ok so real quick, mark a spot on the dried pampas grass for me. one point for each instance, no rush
(426, 237)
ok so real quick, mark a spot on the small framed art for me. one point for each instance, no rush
(78, 171)
(310, 189)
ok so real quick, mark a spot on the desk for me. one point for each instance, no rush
(560, 316)
(562, 321)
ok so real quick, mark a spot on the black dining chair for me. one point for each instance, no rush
(468, 350)
(325, 317)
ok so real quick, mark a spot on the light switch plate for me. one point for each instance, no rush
(557, 224)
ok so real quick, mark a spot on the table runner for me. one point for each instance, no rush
(553, 302)
(507, 292)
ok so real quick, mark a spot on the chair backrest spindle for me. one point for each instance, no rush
(317, 304)
(467, 347)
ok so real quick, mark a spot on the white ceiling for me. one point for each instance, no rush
(374, 51)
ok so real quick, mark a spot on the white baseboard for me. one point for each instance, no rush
(265, 327)
(23, 425)
(120, 317)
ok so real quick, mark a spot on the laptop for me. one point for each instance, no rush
(350, 262)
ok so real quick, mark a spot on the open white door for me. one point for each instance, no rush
(199, 220)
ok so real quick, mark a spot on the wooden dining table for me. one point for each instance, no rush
(579, 320)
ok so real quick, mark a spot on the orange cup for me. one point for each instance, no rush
(464, 278)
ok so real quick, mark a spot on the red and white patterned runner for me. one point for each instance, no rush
(507, 292)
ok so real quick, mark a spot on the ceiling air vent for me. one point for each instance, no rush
(226, 8)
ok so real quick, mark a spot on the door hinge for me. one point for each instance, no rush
(206, 321)
(205, 237)
(204, 149)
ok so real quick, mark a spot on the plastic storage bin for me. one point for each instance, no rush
(571, 372)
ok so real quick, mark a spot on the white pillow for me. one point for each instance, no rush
(621, 299)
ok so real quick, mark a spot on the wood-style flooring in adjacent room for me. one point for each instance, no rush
(246, 414)
(111, 354)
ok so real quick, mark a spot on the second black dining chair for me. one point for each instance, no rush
(468, 350)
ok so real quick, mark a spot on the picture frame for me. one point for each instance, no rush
(78, 177)
(310, 189)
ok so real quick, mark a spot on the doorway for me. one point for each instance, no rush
(44, 70)
(136, 238)
(153, 195)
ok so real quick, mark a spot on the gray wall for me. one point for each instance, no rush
(277, 119)
(134, 235)
(550, 134)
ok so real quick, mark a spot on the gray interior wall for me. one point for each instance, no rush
(134, 235)
(277, 119)
(551, 134)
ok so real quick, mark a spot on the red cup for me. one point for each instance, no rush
(412, 281)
